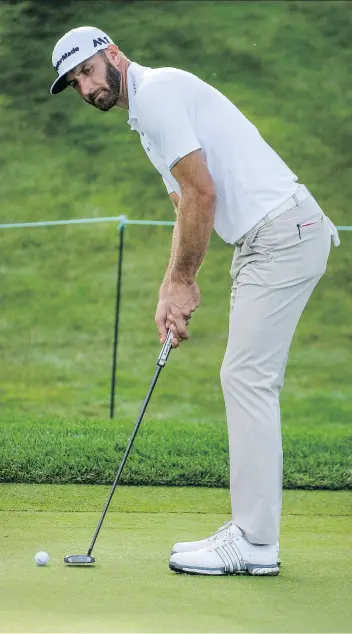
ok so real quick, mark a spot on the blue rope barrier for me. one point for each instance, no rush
(52, 223)
(122, 220)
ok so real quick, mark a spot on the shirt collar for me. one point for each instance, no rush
(135, 73)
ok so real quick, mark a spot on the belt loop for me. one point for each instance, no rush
(295, 199)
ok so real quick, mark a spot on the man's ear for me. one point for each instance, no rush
(113, 54)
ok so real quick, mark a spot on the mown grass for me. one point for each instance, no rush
(287, 66)
(132, 586)
(57, 314)
(165, 453)
(72, 498)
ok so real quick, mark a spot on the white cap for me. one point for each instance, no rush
(74, 48)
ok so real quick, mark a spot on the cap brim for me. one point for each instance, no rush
(61, 82)
(59, 85)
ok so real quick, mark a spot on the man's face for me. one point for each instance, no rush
(97, 81)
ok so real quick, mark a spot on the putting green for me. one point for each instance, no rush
(131, 588)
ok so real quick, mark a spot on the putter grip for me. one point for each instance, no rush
(165, 350)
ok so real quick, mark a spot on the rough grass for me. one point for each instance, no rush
(165, 453)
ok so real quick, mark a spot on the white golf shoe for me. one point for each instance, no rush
(188, 547)
(227, 553)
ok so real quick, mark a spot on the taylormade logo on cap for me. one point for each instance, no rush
(74, 48)
(65, 55)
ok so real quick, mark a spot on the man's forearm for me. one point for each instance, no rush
(195, 221)
(166, 280)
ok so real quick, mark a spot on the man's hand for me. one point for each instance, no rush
(177, 302)
(162, 323)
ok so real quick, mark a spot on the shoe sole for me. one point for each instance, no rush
(252, 569)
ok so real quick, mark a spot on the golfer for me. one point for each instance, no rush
(219, 172)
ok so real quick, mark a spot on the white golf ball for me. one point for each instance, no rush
(41, 558)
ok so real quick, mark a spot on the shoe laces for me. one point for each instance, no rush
(226, 533)
(222, 532)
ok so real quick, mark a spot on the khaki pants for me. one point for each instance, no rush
(274, 271)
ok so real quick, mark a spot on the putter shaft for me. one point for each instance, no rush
(163, 356)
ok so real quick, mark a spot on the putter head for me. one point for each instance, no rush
(79, 560)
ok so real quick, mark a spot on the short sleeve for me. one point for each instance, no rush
(163, 115)
(169, 187)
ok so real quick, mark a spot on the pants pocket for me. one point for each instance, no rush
(262, 243)
(310, 225)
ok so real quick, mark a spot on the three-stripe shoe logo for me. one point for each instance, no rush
(231, 556)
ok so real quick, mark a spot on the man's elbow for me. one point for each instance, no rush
(210, 195)
(205, 195)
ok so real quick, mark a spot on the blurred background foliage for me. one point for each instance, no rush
(286, 65)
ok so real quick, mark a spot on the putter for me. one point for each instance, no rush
(83, 560)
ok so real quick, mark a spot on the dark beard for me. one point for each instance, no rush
(108, 98)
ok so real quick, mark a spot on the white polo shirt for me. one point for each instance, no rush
(175, 113)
